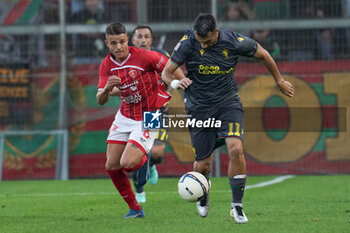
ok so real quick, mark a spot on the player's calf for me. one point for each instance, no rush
(143, 173)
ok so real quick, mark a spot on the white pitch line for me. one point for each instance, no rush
(276, 180)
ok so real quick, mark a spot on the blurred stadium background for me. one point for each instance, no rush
(51, 126)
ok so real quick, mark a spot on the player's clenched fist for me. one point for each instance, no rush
(182, 84)
(112, 82)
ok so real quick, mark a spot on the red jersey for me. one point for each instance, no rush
(141, 88)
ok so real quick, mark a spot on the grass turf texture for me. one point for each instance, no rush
(301, 204)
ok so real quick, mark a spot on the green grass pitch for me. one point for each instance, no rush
(301, 204)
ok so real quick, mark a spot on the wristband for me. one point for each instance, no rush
(174, 83)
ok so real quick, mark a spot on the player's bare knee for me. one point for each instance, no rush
(235, 150)
(128, 163)
(110, 165)
(107, 166)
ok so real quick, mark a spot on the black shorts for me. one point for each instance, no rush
(206, 140)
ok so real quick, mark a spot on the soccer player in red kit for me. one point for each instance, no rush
(133, 73)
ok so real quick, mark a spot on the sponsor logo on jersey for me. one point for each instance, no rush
(132, 99)
(127, 85)
(212, 70)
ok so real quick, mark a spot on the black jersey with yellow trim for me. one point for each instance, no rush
(211, 69)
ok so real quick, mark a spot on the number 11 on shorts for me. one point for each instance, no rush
(237, 130)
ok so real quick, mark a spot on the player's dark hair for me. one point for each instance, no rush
(142, 27)
(115, 29)
(204, 23)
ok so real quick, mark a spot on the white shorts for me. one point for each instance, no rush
(124, 130)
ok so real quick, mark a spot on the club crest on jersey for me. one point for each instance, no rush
(201, 51)
(133, 73)
(225, 52)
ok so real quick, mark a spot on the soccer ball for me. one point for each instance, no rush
(193, 186)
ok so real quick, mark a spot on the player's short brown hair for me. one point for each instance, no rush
(115, 29)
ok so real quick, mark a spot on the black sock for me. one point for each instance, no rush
(139, 189)
(204, 198)
(237, 188)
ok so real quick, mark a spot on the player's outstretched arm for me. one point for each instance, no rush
(172, 71)
(102, 96)
(179, 74)
(285, 86)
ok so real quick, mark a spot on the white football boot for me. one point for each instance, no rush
(238, 215)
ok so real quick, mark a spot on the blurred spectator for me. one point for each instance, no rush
(345, 6)
(271, 9)
(89, 47)
(22, 49)
(121, 10)
(324, 44)
(300, 45)
(179, 10)
(324, 37)
(332, 9)
(78, 5)
(313, 8)
(267, 40)
(311, 44)
(238, 11)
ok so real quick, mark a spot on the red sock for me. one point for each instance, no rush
(122, 183)
(140, 164)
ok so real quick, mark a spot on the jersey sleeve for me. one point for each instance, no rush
(104, 75)
(181, 51)
(156, 60)
(245, 46)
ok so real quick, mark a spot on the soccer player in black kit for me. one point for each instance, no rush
(210, 55)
